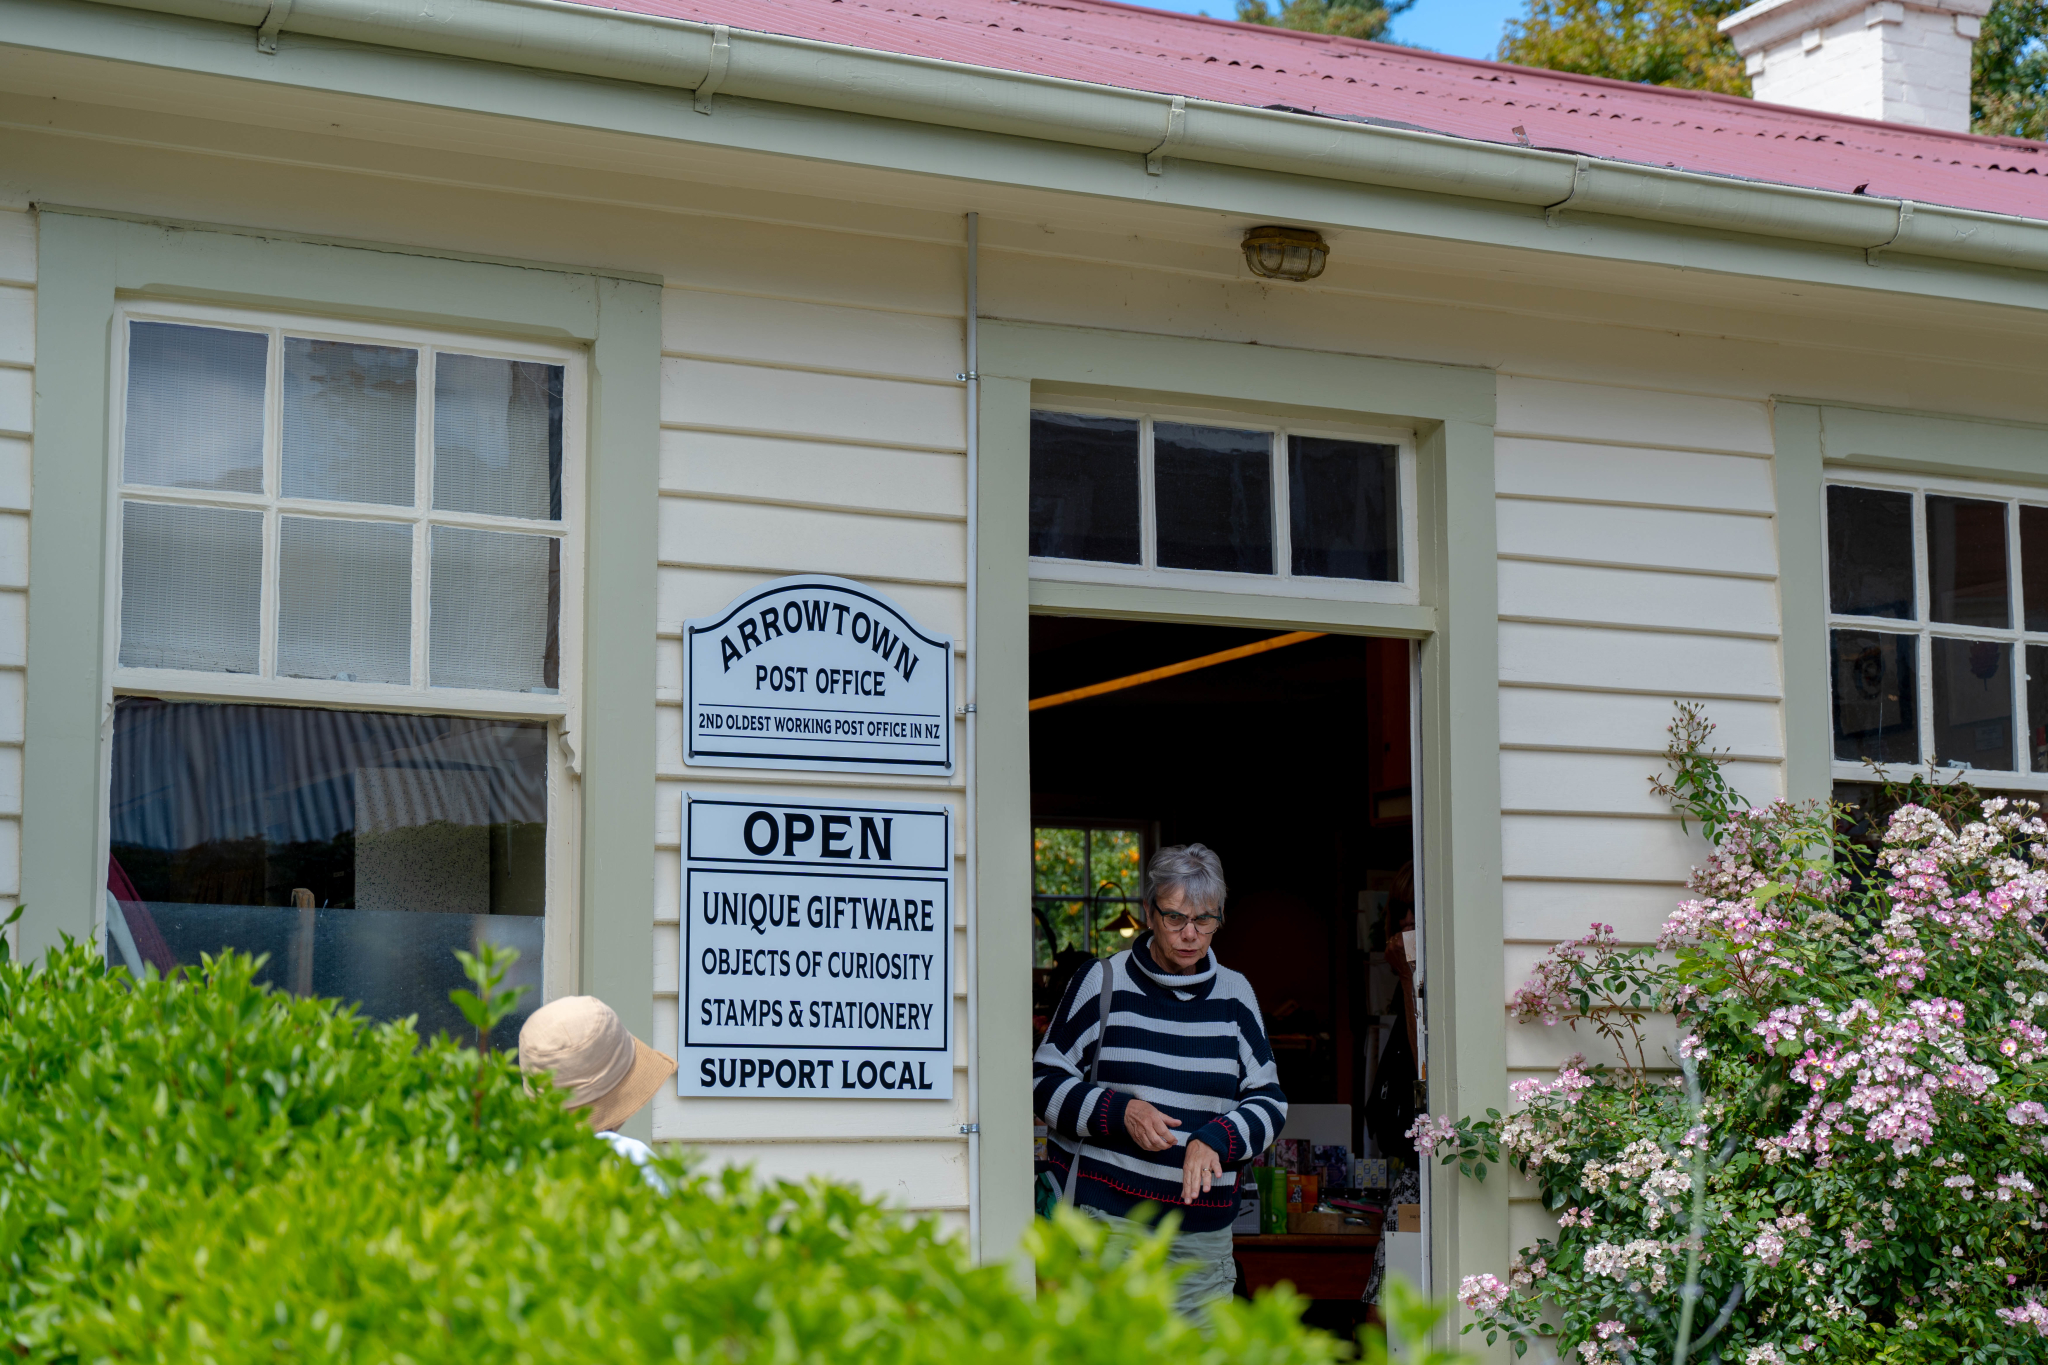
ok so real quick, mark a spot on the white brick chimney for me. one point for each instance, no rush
(1904, 61)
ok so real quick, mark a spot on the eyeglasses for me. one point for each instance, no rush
(1175, 921)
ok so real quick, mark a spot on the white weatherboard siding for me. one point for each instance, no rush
(17, 388)
(812, 435)
(1637, 566)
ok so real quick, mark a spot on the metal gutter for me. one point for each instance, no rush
(555, 35)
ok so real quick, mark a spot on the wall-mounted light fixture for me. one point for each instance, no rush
(1285, 253)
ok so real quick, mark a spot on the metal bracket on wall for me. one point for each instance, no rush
(721, 59)
(267, 31)
(970, 1128)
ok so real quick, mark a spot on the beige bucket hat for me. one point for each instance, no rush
(580, 1041)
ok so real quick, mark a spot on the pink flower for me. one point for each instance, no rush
(1429, 1134)
(1483, 1294)
(2029, 1314)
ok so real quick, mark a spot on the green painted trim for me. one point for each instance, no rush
(1932, 443)
(1816, 439)
(354, 243)
(1290, 382)
(1452, 411)
(1464, 922)
(60, 762)
(1801, 527)
(85, 262)
(620, 624)
(1059, 598)
(817, 101)
(1002, 813)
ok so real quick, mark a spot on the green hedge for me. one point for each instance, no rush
(203, 1170)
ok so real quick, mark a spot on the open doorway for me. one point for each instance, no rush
(1289, 754)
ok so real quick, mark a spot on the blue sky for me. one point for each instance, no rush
(1464, 28)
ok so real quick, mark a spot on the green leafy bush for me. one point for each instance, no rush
(203, 1170)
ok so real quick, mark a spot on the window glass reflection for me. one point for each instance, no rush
(2034, 566)
(1966, 562)
(1972, 704)
(1214, 489)
(2037, 708)
(1084, 487)
(349, 414)
(195, 407)
(1870, 552)
(1343, 505)
(1875, 696)
(357, 849)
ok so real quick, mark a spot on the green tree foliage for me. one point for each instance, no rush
(2009, 71)
(1095, 874)
(200, 1169)
(1654, 42)
(1367, 19)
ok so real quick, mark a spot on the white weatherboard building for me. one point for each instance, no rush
(386, 393)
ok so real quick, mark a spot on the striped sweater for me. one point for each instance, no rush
(1191, 1046)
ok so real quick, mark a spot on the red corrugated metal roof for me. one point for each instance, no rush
(1213, 59)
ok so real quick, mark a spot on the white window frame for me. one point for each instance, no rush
(1282, 582)
(560, 711)
(1924, 629)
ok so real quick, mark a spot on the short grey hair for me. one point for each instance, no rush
(1192, 868)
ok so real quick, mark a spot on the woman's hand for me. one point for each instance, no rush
(1148, 1127)
(1198, 1170)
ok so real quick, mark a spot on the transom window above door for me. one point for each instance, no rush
(312, 505)
(1938, 626)
(1196, 499)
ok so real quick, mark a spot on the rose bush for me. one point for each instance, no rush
(1852, 1161)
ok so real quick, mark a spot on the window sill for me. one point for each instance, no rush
(178, 685)
(1984, 779)
(1199, 580)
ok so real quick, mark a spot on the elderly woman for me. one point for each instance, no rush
(1183, 1095)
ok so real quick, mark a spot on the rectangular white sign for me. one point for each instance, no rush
(820, 673)
(817, 950)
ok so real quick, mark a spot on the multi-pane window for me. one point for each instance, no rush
(1938, 626)
(1087, 888)
(345, 571)
(298, 503)
(1143, 492)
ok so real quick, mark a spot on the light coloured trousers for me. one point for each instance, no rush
(1212, 1270)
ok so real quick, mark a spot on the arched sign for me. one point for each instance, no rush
(820, 673)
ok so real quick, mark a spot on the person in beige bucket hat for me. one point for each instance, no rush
(581, 1042)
